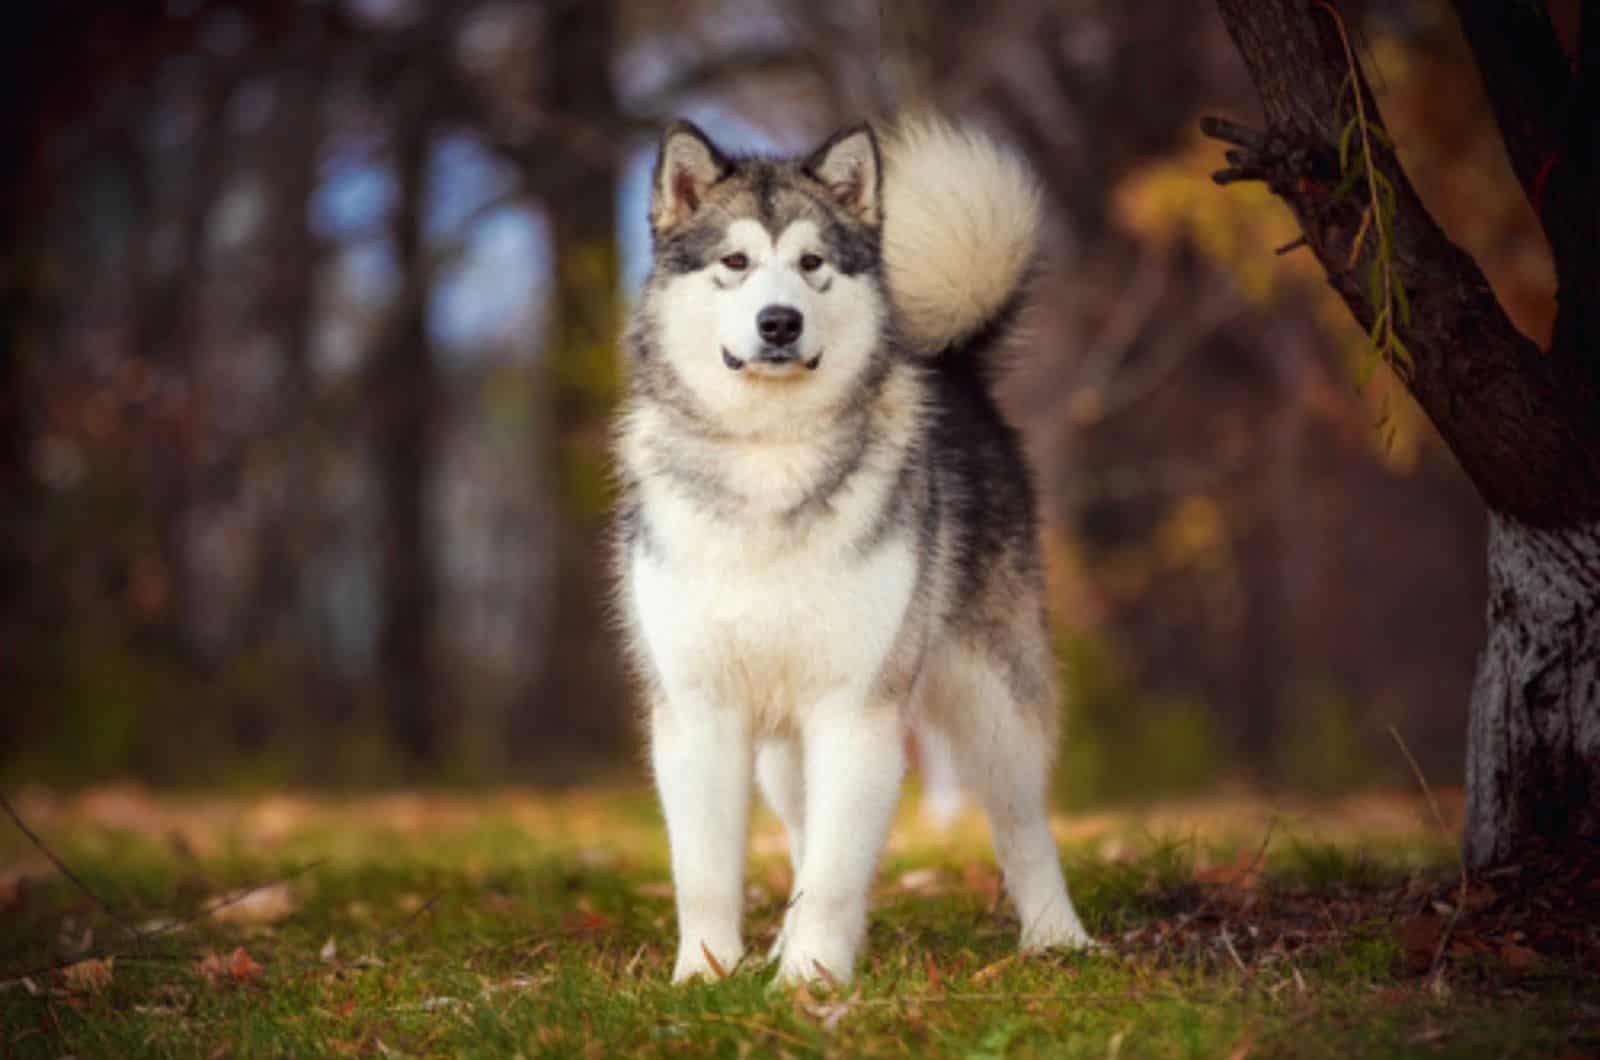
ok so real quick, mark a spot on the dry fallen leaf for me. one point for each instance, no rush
(1427, 1035)
(925, 881)
(588, 922)
(654, 889)
(260, 905)
(11, 891)
(827, 1013)
(711, 959)
(238, 967)
(1518, 958)
(88, 977)
(1419, 937)
(984, 881)
(987, 972)
(1243, 873)
(1478, 897)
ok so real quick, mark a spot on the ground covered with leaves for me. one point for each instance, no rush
(512, 924)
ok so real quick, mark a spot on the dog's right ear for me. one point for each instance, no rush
(689, 163)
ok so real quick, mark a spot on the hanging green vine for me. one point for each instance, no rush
(1387, 295)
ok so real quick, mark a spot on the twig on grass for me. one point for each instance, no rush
(411, 918)
(1227, 941)
(1007, 997)
(165, 931)
(61, 867)
(1253, 865)
(1435, 969)
(1422, 781)
(735, 1021)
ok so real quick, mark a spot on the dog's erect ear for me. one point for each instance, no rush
(689, 163)
(848, 164)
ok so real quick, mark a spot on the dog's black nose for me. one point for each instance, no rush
(779, 324)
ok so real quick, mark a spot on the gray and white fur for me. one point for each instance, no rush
(827, 532)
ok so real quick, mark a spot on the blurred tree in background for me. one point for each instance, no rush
(310, 326)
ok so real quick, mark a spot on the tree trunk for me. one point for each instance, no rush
(1523, 422)
(1533, 754)
(577, 708)
(406, 383)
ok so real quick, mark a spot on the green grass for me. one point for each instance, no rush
(512, 926)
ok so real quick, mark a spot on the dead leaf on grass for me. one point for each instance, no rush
(935, 980)
(588, 922)
(984, 881)
(989, 971)
(235, 967)
(924, 881)
(259, 905)
(654, 889)
(1419, 937)
(1428, 1035)
(73, 941)
(1518, 958)
(827, 975)
(1478, 897)
(88, 977)
(827, 1013)
(1243, 873)
(711, 959)
(12, 887)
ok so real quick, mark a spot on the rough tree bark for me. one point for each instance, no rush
(1523, 422)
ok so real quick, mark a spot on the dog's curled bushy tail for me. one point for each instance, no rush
(960, 229)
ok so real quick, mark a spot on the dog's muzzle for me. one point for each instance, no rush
(772, 357)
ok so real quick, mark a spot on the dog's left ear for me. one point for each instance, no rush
(686, 167)
(848, 164)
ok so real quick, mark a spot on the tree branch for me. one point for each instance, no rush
(1547, 120)
(1575, 208)
(1522, 425)
(1526, 79)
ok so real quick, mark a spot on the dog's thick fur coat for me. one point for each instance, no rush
(827, 533)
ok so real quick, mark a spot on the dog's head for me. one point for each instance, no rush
(766, 300)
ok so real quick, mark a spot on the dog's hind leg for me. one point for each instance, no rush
(702, 757)
(854, 753)
(1004, 747)
(782, 780)
(780, 775)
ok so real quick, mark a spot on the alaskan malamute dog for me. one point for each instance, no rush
(827, 532)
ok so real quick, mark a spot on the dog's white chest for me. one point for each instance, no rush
(757, 623)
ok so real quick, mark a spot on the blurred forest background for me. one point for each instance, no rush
(310, 317)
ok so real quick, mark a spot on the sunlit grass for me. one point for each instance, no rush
(542, 926)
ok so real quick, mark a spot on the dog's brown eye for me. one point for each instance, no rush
(810, 263)
(736, 262)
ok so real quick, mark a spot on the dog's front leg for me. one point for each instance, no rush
(854, 756)
(702, 755)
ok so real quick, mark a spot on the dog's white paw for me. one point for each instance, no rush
(824, 960)
(701, 961)
(1064, 933)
